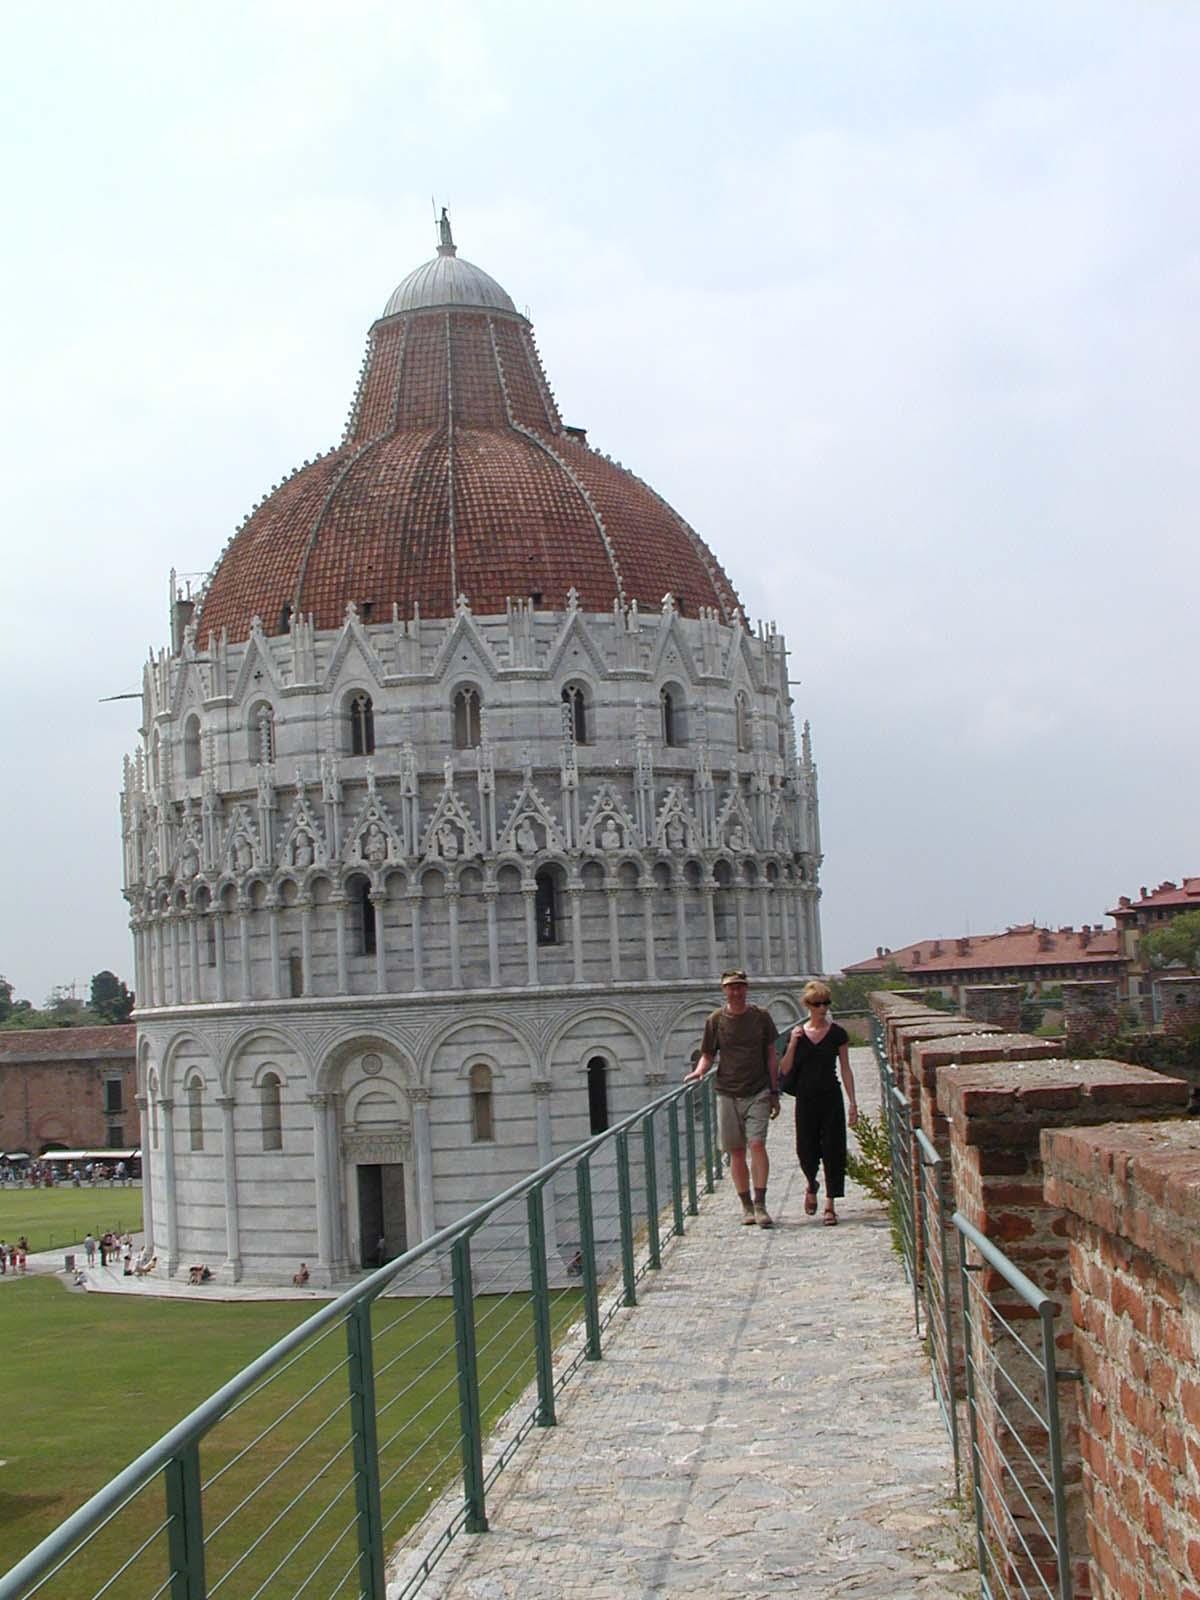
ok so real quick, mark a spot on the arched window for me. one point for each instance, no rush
(364, 915)
(482, 1129)
(741, 708)
(195, 1101)
(597, 1082)
(576, 713)
(466, 718)
(362, 725)
(674, 716)
(261, 734)
(191, 747)
(545, 906)
(271, 1112)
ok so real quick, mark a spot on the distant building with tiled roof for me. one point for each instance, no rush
(67, 1088)
(1136, 917)
(1026, 954)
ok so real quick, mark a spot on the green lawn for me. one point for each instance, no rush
(53, 1218)
(91, 1380)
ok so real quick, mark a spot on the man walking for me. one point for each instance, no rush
(741, 1038)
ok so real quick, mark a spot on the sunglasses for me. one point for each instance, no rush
(814, 1003)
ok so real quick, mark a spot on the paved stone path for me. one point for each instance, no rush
(760, 1425)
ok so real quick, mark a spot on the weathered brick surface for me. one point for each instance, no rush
(1090, 1010)
(1131, 1201)
(998, 1114)
(994, 1002)
(1179, 1000)
(52, 1088)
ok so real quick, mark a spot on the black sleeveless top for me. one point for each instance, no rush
(814, 1066)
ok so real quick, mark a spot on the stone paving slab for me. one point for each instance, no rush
(761, 1424)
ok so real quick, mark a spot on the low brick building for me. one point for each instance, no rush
(1026, 954)
(68, 1088)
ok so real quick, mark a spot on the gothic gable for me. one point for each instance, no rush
(608, 825)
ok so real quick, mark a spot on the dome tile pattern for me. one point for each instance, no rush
(456, 476)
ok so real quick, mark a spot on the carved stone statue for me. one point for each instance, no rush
(526, 839)
(302, 850)
(737, 839)
(374, 845)
(676, 835)
(243, 855)
(447, 842)
(189, 860)
(610, 835)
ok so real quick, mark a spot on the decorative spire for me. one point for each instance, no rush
(446, 245)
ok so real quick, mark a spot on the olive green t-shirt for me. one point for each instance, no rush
(740, 1045)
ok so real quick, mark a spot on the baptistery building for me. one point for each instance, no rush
(462, 778)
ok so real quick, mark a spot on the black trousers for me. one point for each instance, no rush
(821, 1137)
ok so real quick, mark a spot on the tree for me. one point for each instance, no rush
(110, 999)
(1175, 943)
(6, 998)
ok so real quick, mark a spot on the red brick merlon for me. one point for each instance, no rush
(1006, 1105)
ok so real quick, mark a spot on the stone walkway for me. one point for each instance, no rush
(761, 1424)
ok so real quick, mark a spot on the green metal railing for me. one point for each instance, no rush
(339, 1442)
(936, 1281)
(1018, 1485)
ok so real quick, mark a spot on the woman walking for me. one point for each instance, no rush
(809, 1070)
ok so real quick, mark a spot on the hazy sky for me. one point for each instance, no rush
(895, 302)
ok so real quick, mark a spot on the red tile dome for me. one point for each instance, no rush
(456, 476)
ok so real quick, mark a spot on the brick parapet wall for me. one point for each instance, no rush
(998, 1113)
(1131, 1200)
(1179, 1003)
(1090, 1010)
(994, 1002)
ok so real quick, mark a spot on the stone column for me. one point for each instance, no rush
(231, 1267)
(493, 938)
(418, 1097)
(339, 925)
(333, 1166)
(274, 912)
(160, 959)
(378, 901)
(170, 1209)
(530, 893)
(764, 918)
(710, 919)
(306, 976)
(143, 1105)
(176, 959)
(244, 933)
(681, 928)
(574, 894)
(418, 936)
(322, 1274)
(452, 893)
(647, 892)
(219, 931)
(784, 896)
(614, 931)
(193, 932)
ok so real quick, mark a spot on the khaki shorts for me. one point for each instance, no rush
(743, 1122)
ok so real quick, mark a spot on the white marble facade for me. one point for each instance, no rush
(402, 891)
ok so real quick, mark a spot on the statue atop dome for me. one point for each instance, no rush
(446, 245)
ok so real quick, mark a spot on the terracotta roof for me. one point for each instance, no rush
(1186, 894)
(456, 476)
(1023, 946)
(23, 1044)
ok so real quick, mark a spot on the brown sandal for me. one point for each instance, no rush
(810, 1202)
(830, 1219)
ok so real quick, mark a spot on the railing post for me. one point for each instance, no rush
(185, 1537)
(470, 1425)
(981, 1554)
(650, 1162)
(539, 1304)
(710, 1153)
(676, 1166)
(587, 1251)
(625, 1208)
(1054, 1434)
(690, 1131)
(364, 1441)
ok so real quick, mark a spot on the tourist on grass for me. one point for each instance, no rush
(741, 1039)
